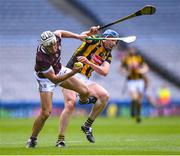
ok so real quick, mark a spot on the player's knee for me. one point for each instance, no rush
(46, 113)
(70, 105)
(104, 97)
(85, 91)
(134, 96)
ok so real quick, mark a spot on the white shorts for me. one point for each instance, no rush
(45, 85)
(136, 86)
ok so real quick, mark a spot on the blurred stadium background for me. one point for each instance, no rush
(21, 23)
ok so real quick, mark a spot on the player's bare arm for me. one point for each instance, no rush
(102, 70)
(57, 79)
(144, 69)
(68, 34)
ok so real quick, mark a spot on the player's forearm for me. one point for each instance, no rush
(68, 34)
(57, 79)
(99, 69)
(144, 69)
(88, 33)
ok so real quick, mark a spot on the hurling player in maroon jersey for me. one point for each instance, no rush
(50, 73)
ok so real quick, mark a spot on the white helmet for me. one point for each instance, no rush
(48, 38)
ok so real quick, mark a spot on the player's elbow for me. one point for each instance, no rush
(147, 68)
(104, 74)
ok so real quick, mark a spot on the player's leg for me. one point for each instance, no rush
(102, 95)
(70, 87)
(131, 87)
(75, 84)
(69, 101)
(136, 105)
(140, 90)
(138, 108)
(46, 107)
(146, 82)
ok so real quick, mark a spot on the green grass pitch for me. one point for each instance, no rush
(114, 136)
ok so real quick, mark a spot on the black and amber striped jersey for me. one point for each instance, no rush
(94, 52)
(132, 62)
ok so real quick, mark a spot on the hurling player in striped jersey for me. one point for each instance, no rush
(96, 56)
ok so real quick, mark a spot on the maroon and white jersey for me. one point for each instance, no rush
(46, 61)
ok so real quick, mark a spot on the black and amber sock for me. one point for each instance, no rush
(138, 107)
(133, 108)
(89, 122)
(61, 138)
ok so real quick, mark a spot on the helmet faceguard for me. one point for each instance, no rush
(48, 38)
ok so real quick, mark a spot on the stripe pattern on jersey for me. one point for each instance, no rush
(94, 52)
